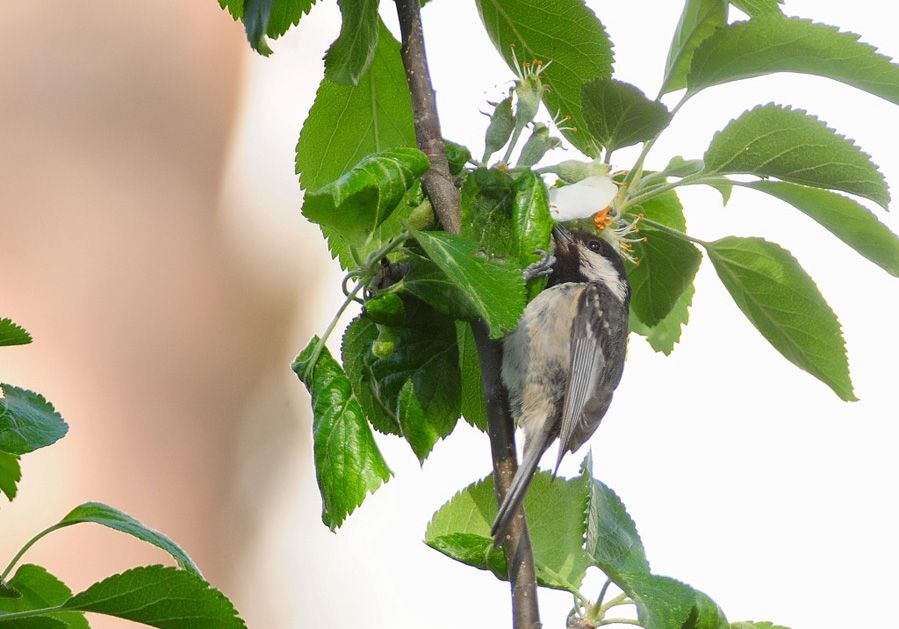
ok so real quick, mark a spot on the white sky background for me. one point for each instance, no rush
(747, 478)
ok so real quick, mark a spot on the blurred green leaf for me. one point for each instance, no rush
(350, 55)
(846, 219)
(748, 624)
(555, 507)
(666, 264)
(775, 141)
(570, 41)
(12, 333)
(618, 114)
(666, 333)
(159, 596)
(662, 602)
(357, 203)
(109, 517)
(10, 474)
(768, 44)
(473, 410)
(783, 303)
(39, 589)
(494, 287)
(699, 19)
(27, 421)
(348, 464)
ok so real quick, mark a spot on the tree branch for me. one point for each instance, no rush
(501, 429)
(444, 197)
(437, 181)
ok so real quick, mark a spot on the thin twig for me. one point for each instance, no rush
(444, 197)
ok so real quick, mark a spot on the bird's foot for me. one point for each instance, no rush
(540, 268)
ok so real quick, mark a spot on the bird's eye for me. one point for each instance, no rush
(593, 245)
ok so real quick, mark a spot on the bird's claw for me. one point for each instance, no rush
(540, 268)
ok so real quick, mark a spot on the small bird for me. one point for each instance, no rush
(565, 358)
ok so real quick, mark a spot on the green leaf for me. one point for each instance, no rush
(555, 507)
(27, 421)
(662, 602)
(699, 19)
(350, 55)
(38, 589)
(749, 624)
(457, 156)
(775, 141)
(765, 45)
(494, 287)
(532, 224)
(283, 14)
(666, 264)
(427, 357)
(256, 15)
(613, 543)
(357, 357)
(421, 430)
(473, 409)
(429, 283)
(102, 514)
(846, 219)
(348, 123)
(348, 464)
(486, 201)
(706, 614)
(357, 203)
(666, 333)
(159, 596)
(619, 114)
(35, 622)
(783, 303)
(13, 334)
(680, 167)
(758, 8)
(10, 474)
(567, 37)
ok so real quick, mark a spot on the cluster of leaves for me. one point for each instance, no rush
(33, 598)
(409, 365)
(576, 524)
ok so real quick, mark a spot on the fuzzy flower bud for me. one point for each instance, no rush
(537, 146)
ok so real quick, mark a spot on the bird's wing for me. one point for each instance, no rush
(585, 401)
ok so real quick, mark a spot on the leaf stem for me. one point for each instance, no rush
(621, 599)
(350, 298)
(633, 177)
(674, 232)
(30, 613)
(619, 621)
(28, 544)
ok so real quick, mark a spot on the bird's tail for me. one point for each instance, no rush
(533, 450)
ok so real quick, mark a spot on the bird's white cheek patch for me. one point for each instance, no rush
(598, 269)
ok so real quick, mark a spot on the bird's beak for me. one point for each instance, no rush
(562, 237)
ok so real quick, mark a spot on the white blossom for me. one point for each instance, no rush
(582, 199)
